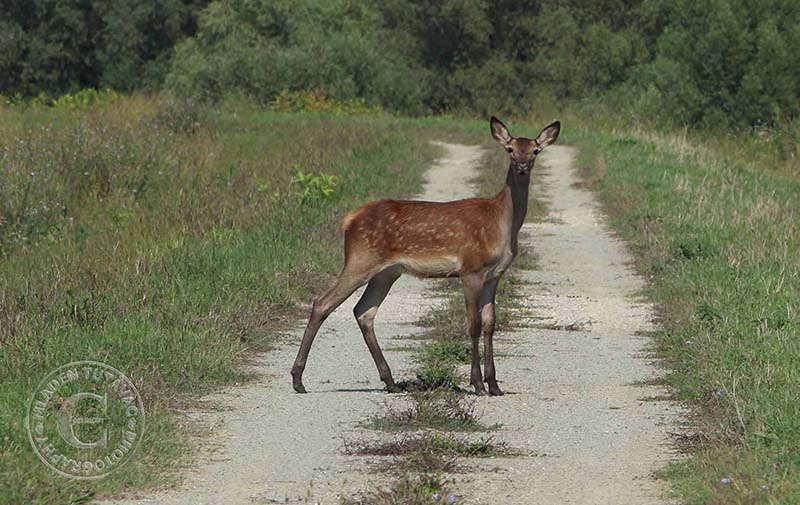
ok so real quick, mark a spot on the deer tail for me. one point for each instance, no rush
(348, 219)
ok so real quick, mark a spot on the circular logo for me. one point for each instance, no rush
(85, 420)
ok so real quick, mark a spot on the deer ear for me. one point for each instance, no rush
(499, 131)
(549, 134)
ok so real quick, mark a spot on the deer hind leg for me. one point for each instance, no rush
(487, 322)
(473, 285)
(347, 282)
(365, 311)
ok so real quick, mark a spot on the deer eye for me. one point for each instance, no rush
(537, 150)
(509, 149)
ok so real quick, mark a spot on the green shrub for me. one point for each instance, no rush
(85, 98)
(314, 187)
(727, 62)
(264, 47)
(316, 100)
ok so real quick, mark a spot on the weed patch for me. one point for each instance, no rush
(409, 490)
(438, 410)
(433, 443)
(445, 351)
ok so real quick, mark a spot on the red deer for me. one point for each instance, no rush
(475, 239)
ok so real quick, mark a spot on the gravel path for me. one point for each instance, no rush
(570, 405)
(571, 375)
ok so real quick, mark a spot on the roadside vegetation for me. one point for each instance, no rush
(712, 221)
(168, 240)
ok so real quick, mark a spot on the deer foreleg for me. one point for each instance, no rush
(472, 292)
(487, 322)
(322, 308)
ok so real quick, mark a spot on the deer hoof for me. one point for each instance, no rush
(478, 385)
(298, 386)
(495, 391)
(393, 388)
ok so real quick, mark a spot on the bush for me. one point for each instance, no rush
(263, 48)
(316, 100)
(85, 98)
(50, 48)
(727, 62)
(314, 187)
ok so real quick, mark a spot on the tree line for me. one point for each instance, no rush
(54, 47)
(720, 62)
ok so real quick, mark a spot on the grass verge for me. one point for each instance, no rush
(717, 236)
(168, 241)
(432, 443)
(409, 489)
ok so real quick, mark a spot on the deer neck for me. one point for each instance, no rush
(518, 198)
(514, 199)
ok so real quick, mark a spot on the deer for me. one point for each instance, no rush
(474, 239)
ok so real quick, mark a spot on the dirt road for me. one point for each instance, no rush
(572, 377)
(570, 405)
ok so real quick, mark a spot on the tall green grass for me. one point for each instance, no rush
(714, 229)
(167, 240)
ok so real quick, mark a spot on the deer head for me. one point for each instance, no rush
(521, 151)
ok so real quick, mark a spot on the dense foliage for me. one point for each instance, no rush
(52, 47)
(726, 60)
(721, 62)
(718, 61)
